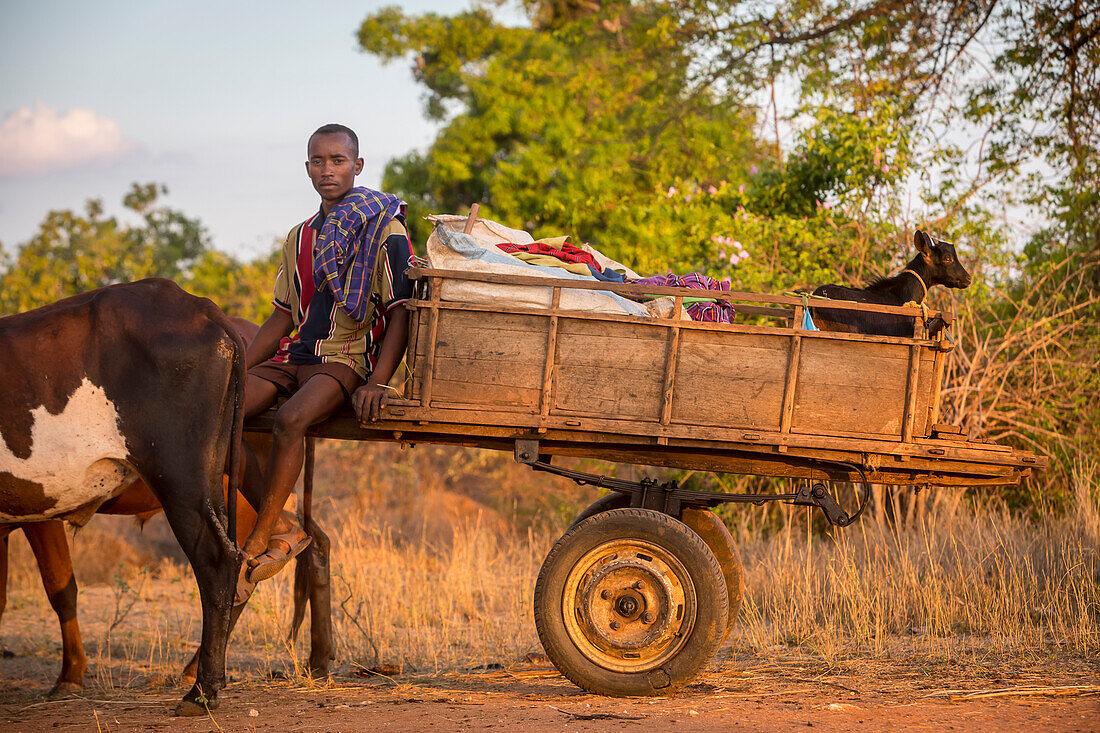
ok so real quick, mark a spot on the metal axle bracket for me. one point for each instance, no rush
(669, 498)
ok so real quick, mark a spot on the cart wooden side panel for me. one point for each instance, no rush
(659, 373)
(768, 400)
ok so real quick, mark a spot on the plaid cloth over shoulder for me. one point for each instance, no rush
(347, 247)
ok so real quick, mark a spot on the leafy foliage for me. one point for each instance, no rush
(74, 252)
(643, 127)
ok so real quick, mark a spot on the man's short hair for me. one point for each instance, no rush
(334, 128)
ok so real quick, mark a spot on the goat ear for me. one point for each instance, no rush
(923, 243)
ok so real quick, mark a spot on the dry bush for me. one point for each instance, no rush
(1027, 371)
(963, 575)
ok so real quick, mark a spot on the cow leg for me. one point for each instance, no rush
(311, 579)
(321, 649)
(312, 584)
(251, 480)
(4, 570)
(187, 506)
(191, 671)
(51, 550)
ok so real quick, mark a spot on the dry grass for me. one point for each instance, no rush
(955, 579)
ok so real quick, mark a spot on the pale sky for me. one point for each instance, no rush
(213, 99)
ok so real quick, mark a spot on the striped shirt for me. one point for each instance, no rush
(325, 333)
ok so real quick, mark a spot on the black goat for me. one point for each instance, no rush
(935, 264)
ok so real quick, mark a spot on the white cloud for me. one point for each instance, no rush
(40, 139)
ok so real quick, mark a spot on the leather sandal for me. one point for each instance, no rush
(245, 586)
(275, 559)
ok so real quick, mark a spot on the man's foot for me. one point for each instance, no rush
(281, 549)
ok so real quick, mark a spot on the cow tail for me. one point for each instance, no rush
(236, 434)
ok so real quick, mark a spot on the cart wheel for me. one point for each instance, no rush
(614, 500)
(705, 524)
(630, 602)
(713, 531)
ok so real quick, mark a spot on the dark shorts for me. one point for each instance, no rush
(289, 378)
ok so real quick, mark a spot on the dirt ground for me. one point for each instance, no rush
(737, 692)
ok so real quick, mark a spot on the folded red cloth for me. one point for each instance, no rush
(566, 253)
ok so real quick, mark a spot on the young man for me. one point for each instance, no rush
(341, 286)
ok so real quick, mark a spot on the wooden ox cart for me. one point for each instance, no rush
(642, 589)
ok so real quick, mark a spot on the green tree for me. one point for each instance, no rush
(74, 252)
(594, 122)
(570, 130)
(653, 129)
(240, 289)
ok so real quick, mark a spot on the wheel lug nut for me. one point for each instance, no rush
(647, 617)
(605, 594)
(615, 625)
(637, 585)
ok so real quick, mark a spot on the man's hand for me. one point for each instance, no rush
(368, 401)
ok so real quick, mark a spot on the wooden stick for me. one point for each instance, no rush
(411, 364)
(307, 482)
(429, 351)
(910, 395)
(791, 385)
(672, 356)
(471, 219)
(685, 325)
(937, 387)
(1017, 691)
(551, 352)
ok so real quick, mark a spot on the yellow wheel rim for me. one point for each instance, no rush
(629, 605)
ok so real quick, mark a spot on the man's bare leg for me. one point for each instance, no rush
(259, 395)
(316, 400)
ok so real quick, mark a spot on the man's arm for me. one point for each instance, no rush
(369, 398)
(277, 326)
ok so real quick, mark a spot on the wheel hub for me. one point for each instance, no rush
(630, 605)
(627, 605)
(616, 596)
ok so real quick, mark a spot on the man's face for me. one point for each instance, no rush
(332, 165)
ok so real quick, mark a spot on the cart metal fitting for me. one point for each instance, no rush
(670, 498)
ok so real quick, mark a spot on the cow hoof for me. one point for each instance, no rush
(64, 689)
(319, 673)
(192, 709)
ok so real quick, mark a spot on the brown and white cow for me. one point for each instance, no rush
(132, 379)
(51, 551)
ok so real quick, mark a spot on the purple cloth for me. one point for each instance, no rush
(348, 245)
(718, 311)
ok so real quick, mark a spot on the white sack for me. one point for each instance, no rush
(479, 253)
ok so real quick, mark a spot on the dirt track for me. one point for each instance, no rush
(744, 694)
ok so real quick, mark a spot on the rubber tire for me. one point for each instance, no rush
(674, 537)
(705, 524)
(614, 500)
